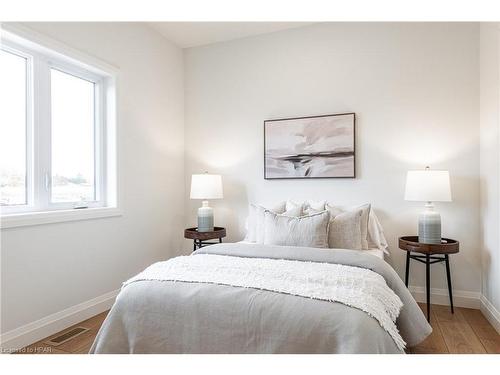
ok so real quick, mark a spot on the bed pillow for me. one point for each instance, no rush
(376, 237)
(309, 231)
(344, 230)
(256, 219)
(259, 228)
(291, 204)
(308, 207)
(295, 211)
(313, 207)
(365, 214)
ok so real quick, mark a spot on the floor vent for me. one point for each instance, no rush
(66, 336)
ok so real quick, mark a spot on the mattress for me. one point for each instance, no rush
(377, 252)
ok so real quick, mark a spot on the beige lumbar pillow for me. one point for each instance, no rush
(344, 231)
(309, 231)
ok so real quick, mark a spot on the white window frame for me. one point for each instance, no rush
(99, 139)
(44, 54)
(29, 193)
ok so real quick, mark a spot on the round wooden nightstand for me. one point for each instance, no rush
(201, 239)
(447, 246)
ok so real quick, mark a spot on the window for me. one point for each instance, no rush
(13, 123)
(73, 146)
(56, 131)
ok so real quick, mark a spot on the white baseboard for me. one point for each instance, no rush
(461, 298)
(490, 312)
(38, 330)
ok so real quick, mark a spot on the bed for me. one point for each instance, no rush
(169, 308)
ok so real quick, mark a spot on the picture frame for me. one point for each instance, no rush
(322, 146)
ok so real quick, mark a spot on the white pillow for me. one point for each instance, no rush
(290, 204)
(294, 211)
(365, 208)
(309, 231)
(256, 220)
(309, 207)
(313, 207)
(260, 232)
(344, 231)
(376, 238)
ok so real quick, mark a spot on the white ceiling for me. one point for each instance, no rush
(193, 34)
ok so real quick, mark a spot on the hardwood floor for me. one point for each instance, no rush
(79, 345)
(466, 331)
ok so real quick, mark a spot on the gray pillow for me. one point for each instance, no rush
(309, 231)
(344, 231)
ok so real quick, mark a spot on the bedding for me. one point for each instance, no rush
(315, 206)
(376, 237)
(153, 316)
(252, 219)
(365, 214)
(353, 286)
(379, 253)
(375, 252)
(310, 231)
(308, 207)
(255, 230)
(372, 234)
(344, 230)
(295, 211)
(258, 218)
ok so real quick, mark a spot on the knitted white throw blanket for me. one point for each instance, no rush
(353, 286)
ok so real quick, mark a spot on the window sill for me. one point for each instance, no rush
(60, 216)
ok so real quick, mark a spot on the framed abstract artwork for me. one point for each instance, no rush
(310, 147)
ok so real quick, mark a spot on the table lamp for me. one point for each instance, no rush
(206, 186)
(428, 186)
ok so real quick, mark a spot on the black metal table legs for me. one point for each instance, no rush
(428, 260)
(198, 244)
(448, 276)
(428, 285)
(407, 274)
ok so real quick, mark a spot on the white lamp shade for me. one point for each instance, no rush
(428, 186)
(206, 186)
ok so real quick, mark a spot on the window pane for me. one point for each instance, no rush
(12, 129)
(72, 138)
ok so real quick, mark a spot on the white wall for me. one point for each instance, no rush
(48, 268)
(414, 88)
(490, 158)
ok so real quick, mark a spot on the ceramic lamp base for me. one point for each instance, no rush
(205, 218)
(429, 225)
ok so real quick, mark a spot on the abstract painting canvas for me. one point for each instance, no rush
(310, 147)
